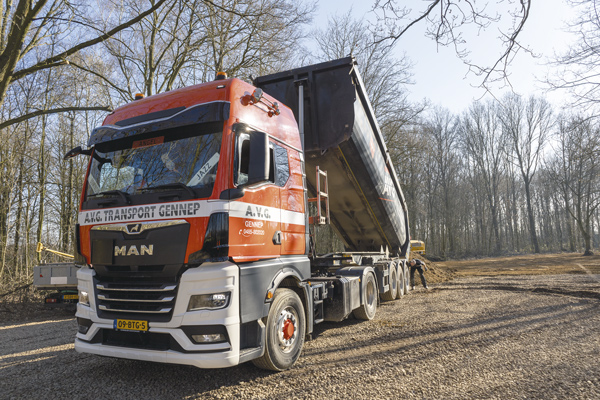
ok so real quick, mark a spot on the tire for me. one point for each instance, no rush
(391, 294)
(367, 310)
(401, 285)
(284, 332)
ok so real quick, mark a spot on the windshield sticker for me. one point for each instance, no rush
(148, 142)
(93, 184)
(202, 172)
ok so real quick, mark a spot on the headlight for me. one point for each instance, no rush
(84, 298)
(212, 301)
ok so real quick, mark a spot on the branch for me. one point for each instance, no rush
(102, 77)
(511, 40)
(15, 290)
(395, 37)
(52, 61)
(51, 111)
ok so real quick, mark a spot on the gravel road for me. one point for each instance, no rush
(472, 338)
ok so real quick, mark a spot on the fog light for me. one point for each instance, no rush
(84, 299)
(83, 325)
(212, 301)
(214, 338)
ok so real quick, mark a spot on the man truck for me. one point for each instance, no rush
(194, 234)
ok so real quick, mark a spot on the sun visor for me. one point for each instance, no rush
(202, 113)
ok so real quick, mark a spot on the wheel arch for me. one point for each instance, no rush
(288, 278)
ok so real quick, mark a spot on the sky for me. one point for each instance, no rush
(444, 80)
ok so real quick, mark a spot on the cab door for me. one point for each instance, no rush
(255, 218)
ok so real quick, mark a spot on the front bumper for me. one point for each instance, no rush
(175, 345)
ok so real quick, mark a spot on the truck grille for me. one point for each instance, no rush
(148, 300)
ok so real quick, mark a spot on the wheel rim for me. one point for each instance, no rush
(287, 329)
(371, 293)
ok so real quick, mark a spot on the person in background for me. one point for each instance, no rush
(418, 265)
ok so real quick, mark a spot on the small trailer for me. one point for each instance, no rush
(58, 277)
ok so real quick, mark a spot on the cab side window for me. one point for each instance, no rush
(243, 160)
(279, 169)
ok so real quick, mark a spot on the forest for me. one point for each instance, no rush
(510, 175)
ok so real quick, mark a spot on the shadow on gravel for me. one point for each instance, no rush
(507, 324)
(583, 294)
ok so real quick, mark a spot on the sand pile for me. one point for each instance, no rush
(435, 273)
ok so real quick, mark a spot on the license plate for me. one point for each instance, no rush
(130, 325)
(70, 297)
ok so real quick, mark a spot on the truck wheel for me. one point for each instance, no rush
(391, 294)
(367, 310)
(400, 291)
(285, 330)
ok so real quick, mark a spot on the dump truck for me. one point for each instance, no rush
(194, 233)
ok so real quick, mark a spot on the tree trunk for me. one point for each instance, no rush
(42, 173)
(531, 218)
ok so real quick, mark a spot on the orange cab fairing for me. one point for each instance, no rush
(251, 230)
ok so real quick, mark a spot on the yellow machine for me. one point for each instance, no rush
(417, 246)
(41, 247)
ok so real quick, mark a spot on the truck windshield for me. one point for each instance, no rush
(154, 164)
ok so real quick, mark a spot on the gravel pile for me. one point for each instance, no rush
(471, 338)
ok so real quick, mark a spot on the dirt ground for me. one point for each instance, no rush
(528, 264)
(498, 328)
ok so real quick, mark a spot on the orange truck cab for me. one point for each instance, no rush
(193, 231)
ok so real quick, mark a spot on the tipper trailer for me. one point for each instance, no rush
(194, 233)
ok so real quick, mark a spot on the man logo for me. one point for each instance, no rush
(133, 250)
(133, 229)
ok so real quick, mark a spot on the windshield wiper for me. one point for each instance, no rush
(174, 185)
(120, 193)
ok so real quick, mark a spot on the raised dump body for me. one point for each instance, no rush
(342, 137)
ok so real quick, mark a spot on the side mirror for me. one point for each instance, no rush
(258, 170)
(77, 151)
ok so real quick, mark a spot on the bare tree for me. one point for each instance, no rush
(527, 126)
(188, 41)
(576, 170)
(481, 133)
(152, 55)
(24, 28)
(441, 132)
(247, 37)
(447, 20)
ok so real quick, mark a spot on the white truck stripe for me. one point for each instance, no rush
(188, 209)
